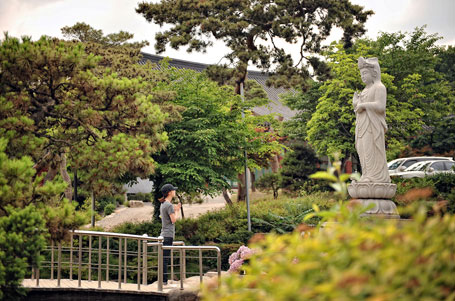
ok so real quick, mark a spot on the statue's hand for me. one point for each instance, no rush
(355, 99)
(359, 108)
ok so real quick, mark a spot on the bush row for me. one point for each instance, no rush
(227, 227)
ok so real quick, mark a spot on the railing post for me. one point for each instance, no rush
(172, 264)
(99, 261)
(89, 258)
(79, 271)
(52, 260)
(182, 264)
(125, 263)
(144, 260)
(160, 264)
(119, 262)
(59, 266)
(71, 256)
(138, 264)
(107, 260)
(200, 265)
(218, 263)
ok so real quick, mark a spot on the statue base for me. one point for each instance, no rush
(368, 190)
(382, 208)
(378, 194)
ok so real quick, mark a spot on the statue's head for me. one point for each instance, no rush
(369, 66)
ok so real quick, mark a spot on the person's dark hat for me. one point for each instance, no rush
(167, 188)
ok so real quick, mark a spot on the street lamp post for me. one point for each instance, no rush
(246, 170)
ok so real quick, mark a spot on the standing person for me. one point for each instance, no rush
(168, 218)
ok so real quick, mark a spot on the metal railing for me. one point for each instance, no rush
(107, 254)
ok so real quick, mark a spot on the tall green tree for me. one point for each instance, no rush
(257, 33)
(206, 145)
(298, 164)
(78, 108)
(331, 128)
(416, 63)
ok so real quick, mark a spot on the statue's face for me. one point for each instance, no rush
(367, 75)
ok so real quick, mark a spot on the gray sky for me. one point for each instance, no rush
(38, 17)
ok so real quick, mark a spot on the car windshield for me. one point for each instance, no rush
(421, 166)
(394, 164)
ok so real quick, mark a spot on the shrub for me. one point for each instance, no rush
(297, 165)
(269, 182)
(22, 238)
(351, 260)
(109, 209)
(434, 191)
(103, 201)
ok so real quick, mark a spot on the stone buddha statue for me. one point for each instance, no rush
(374, 186)
(369, 107)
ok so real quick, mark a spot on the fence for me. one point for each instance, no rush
(124, 258)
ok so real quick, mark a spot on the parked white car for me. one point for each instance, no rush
(426, 168)
(399, 165)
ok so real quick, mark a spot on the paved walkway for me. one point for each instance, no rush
(142, 214)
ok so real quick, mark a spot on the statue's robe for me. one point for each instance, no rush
(369, 135)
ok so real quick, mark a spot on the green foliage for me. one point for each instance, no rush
(109, 209)
(140, 196)
(436, 192)
(269, 182)
(22, 238)
(332, 127)
(337, 180)
(112, 121)
(249, 28)
(297, 165)
(352, 259)
(227, 228)
(106, 200)
(305, 104)
(207, 144)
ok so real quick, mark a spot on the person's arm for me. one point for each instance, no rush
(172, 215)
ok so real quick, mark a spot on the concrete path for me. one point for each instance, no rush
(141, 214)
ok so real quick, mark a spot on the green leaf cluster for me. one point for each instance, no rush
(351, 259)
(258, 32)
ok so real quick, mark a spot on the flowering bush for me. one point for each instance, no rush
(350, 259)
(237, 259)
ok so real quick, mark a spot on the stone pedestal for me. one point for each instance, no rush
(378, 194)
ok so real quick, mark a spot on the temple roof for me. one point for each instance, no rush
(274, 106)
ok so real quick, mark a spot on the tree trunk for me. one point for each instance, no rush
(227, 198)
(241, 192)
(253, 181)
(275, 164)
(66, 177)
(181, 208)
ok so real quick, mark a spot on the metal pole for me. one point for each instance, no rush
(138, 264)
(89, 258)
(99, 261)
(52, 260)
(93, 209)
(160, 265)
(71, 257)
(107, 259)
(59, 267)
(144, 261)
(119, 262)
(79, 269)
(246, 170)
